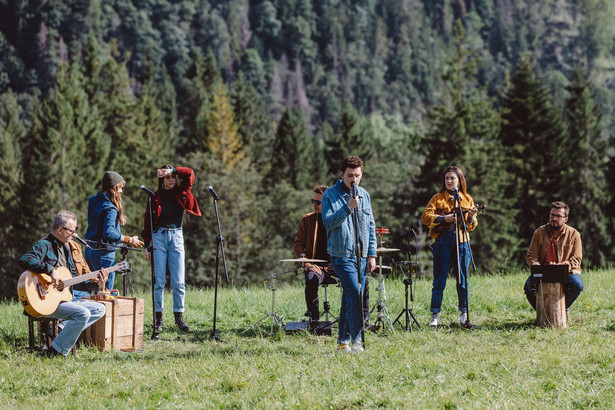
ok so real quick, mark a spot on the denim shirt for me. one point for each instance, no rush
(337, 217)
(103, 223)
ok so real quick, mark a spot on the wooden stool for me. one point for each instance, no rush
(47, 330)
(551, 305)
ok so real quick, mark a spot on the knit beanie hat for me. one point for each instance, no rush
(110, 179)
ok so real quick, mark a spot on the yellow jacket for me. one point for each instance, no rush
(441, 204)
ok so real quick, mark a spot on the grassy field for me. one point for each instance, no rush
(505, 362)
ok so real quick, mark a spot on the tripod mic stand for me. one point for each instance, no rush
(407, 311)
(409, 284)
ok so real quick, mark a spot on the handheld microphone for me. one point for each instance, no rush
(147, 191)
(213, 193)
(353, 189)
(82, 241)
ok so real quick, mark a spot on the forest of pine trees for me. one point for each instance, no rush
(263, 99)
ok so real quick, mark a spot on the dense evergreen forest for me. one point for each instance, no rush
(263, 98)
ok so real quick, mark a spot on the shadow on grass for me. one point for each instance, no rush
(495, 326)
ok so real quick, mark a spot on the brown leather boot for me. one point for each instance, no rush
(179, 321)
(158, 322)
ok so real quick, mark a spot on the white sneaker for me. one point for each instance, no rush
(343, 347)
(463, 318)
(357, 347)
(434, 319)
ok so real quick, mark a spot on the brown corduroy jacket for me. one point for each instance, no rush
(569, 247)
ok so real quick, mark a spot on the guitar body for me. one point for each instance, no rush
(38, 296)
(437, 229)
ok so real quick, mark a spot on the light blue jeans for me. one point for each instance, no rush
(77, 315)
(169, 249)
(444, 255)
(349, 321)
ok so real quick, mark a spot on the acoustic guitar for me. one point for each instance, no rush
(40, 297)
(438, 229)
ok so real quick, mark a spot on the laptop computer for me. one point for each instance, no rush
(550, 273)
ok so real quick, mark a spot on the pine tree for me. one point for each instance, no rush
(223, 140)
(294, 148)
(58, 173)
(462, 130)
(533, 136)
(13, 130)
(253, 124)
(586, 156)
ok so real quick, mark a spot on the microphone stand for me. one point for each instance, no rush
(103, 246)
(462, 278)
(152, 249)
(356, 226)
(408, 283)
(219, 247)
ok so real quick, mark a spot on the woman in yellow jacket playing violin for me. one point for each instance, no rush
(440, 219)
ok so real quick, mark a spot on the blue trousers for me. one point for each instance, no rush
(444, 254)
(101, 259)
(349, 321)
(169, 250)
(77, 315)
(572, 290)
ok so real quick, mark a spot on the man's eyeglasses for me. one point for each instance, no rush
(316, 202)
(71, 231)
(557, 216)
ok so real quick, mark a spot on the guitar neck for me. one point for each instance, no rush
(88, 276)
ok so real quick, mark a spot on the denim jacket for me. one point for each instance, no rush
(103, 223)
(337, 217)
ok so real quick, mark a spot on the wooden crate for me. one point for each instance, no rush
(122, 326)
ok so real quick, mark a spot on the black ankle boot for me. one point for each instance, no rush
(158, 322)
(179, 321)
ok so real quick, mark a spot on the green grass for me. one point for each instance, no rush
(505, 363)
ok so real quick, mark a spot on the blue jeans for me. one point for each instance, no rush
(444, 254)
(77, 315)
(169, 249)
(98, 259)
(349, 321)
(572, 290)
(80, 294)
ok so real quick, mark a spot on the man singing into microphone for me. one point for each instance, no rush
(173, 197)
(339, 202)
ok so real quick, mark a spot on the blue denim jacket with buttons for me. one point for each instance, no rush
(337, 217)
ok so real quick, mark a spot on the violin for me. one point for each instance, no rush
(438, 229)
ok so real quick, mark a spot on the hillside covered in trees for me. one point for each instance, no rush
(263, 98)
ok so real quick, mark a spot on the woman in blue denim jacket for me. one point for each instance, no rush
(337, 206)
(105, 215)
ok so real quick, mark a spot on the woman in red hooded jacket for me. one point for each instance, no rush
(170, 201)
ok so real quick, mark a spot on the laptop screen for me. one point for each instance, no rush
(550, 273)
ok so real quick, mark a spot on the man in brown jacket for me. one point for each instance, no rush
(556, 243)
(311, 242)
(82, 290)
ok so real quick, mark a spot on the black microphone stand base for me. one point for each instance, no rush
(409, 317)
(215, 337)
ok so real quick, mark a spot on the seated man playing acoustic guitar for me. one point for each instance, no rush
(46, 257)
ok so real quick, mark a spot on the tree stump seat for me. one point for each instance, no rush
(551, 305)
